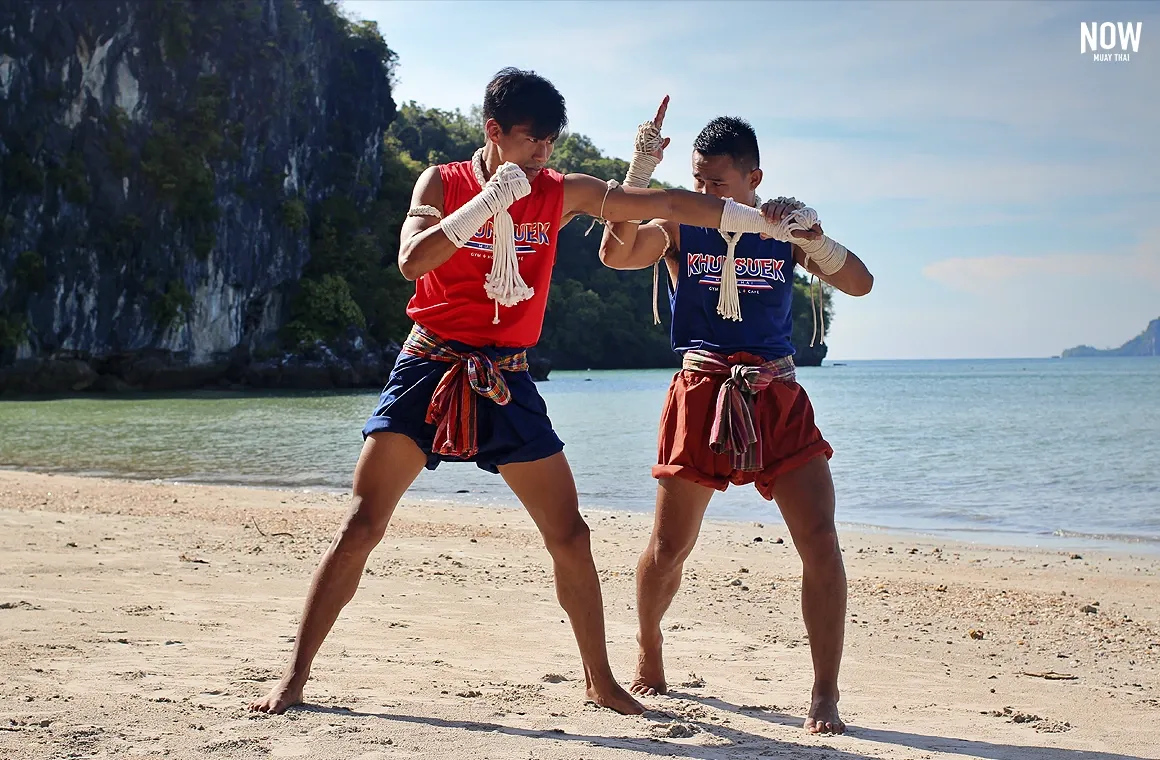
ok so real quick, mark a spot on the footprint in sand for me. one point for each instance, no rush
(232, 746)
(21, 605)
(250, 673)
(674, 730)
(295, 747)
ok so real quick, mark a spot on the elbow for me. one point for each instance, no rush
(407, 267)
(863, 286)
(610, 258)
(613, 255)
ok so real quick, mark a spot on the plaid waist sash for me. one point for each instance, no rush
(452, 409)
(734, 430)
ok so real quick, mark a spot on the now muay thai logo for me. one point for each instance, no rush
(752, 273)
(527, 235)
(1099, 39)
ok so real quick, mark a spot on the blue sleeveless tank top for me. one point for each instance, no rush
(764, 284)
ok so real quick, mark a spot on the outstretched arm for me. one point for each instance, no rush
(588, 195)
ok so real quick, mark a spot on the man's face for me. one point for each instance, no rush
(520, 148)
(719, 176)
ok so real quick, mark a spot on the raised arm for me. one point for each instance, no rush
(422, 244)
(628, 245)
(621, 204)
(429, 240)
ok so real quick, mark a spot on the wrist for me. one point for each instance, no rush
(462, 224)
(644, 163)
(640, 170)
(827, 254)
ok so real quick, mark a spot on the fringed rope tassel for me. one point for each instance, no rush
(656, 290)
(503, 284)
(728, 299)
(817, 311)
(821, 311)
(657, 273)
(813, 311)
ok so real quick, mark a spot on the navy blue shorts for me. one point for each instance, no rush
(518, 431)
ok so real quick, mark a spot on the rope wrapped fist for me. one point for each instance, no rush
(506, 186)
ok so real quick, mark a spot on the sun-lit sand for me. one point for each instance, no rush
(141, 618)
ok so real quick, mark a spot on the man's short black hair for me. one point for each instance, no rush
(730, 136)
(516, 97)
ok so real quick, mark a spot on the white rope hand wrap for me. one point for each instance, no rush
(737, 219)
(643, 164)
(831, 256)
(648, 139)
(827, 253)
(728, 296)
(509, 183)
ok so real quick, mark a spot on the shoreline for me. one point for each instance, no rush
(997, 539)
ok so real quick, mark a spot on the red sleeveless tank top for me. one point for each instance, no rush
(450, 300)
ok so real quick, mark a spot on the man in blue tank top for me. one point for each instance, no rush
(734, 413)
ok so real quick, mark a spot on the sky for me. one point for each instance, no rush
(1002, 186)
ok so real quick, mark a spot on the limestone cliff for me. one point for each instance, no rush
(158, 159)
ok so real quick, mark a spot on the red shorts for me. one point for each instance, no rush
(783, 415)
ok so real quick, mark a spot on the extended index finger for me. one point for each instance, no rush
(659, 119)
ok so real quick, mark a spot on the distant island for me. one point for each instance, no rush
(1146, 343)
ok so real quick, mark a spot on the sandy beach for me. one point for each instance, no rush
(139, 618)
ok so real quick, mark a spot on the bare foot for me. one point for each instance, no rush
(614, 697)
(823, 717)
(286, 694)
(650, 668)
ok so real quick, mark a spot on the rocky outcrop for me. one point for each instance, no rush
(158, 159)
(354, 361)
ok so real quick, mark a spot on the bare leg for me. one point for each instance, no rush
(389, 463)
(806, 498)
(681, 506)
(548, 492)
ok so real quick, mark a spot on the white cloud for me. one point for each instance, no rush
(986, 275)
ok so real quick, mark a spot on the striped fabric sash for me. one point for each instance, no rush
(734, 429)
(452, 408)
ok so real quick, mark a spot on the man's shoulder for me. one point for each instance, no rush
(453, 167)
(548, 179)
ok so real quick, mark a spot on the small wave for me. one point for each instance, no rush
(1123, 538)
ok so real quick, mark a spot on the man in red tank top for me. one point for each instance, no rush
(480, 243)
